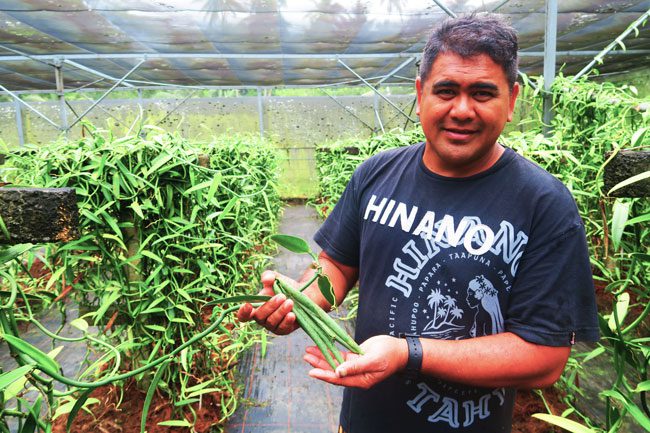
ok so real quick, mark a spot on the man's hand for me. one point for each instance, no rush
(382, 357)
(276, 314)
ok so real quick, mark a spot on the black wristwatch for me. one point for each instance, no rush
(414, 363)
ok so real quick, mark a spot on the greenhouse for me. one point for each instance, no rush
(159, 156)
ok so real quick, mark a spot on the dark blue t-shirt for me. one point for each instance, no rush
(456, 258)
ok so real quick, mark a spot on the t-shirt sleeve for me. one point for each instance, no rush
(339, 234)
(552, 300)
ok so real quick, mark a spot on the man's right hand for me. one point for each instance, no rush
(276, 314)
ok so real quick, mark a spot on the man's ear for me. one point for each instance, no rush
(418, 92)
(513, 100)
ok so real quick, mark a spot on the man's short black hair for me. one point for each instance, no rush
(472, 35)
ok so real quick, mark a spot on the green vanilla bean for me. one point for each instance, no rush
(303, 322)
(315, 309)
(320, 335)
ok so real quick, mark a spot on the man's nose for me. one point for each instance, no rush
(462, 109)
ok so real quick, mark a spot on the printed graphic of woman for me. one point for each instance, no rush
(482, 293)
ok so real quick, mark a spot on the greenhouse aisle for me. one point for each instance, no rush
(278, 395)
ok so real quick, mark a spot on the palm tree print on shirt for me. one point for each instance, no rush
(445, 313)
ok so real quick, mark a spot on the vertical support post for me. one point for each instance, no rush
(550, 45)
(140, 99)
(260, 110)
(378, 121)
(58, 75)
(19, 122)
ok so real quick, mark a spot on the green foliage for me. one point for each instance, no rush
(336, 162)
(167, 227)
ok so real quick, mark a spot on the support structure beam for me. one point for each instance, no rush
(376, 91)
(19, 122)
(260, 111)
(375, 106)
(616, 42)
(17, 98)
(82, 115)
(444, 8)
(94, 72)
(550, 44)
(58, 76)
(404, 64)
(348, 110)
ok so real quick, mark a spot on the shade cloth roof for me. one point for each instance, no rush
(277, 42)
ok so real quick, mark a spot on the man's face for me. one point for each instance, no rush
(463, 106)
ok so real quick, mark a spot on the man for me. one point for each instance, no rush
(472, 253)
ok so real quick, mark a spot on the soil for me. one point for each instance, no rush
(119, 411)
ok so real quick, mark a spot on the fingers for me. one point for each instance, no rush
(275, 315)
(245, 312)
(314, 357)
(267, 278)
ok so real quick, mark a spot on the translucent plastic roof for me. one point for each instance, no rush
(277, 42)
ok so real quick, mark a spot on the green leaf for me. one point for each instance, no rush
(326, 289)
(639, 219)
(137, 209)
(34, 415)
(213, 187)
(621, 212)
(638, 136)
(82, 402)
(176, 423)
(197, 187)
(564, 423)
(152, 256)
(149, 397)
(10, 377)
(158, 162)
(3, 227)
(643, 386)
(632, 408)
(637, 178)
(80, 324)
(622, 305)
(292, 243)
(13, 251)
(43, 362)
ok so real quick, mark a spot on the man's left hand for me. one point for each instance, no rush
(382, 357)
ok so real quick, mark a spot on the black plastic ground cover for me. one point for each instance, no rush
(279, 396)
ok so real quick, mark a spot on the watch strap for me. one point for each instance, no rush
(414, 362)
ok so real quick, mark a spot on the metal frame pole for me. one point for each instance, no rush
(106, 94)
(347, 109)
(375, 90)
(19, 122)
(58, 77)
(260, 110)
(445, 8)
(17, 98)
(550, 45)
(94, 72)
(377, 116)
(396, 70)
(613, 44)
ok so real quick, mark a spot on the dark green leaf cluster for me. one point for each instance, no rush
(336, 162)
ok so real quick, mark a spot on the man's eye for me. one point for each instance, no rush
(483, 96)
(445, 92)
